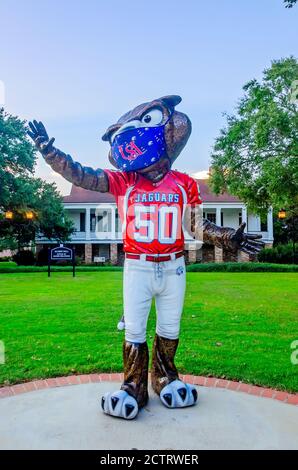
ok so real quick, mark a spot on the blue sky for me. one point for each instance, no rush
(78, 65)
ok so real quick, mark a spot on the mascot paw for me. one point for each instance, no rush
(120, 404)
(178, 395)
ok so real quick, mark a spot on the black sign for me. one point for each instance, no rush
(61, 253)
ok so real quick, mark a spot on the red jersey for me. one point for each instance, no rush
(152, 213)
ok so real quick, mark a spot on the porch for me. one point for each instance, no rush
(98, 232)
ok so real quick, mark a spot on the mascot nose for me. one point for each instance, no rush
(128, 126)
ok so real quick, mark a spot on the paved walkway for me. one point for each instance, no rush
(69, 417)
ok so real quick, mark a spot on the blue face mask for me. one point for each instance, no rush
(136, 149)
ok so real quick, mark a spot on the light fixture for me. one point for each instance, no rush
(9, 215)
(29, 215)
(282, 214)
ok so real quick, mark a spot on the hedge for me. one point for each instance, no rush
(202, 267)
(242, 267)
(43, 269)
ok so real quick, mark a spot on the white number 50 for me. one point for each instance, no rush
(142, 221)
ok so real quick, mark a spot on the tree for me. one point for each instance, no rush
(35, 206)
(290, 3)
(17, 155)
(255, 156)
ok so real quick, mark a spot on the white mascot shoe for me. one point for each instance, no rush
(177, 394)
(120, 404)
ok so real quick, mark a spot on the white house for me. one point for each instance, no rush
(98, 226)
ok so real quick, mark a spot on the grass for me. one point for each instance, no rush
(235, 325)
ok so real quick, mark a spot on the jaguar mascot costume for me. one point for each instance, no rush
(152, 200)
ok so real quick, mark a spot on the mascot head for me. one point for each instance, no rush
(149, 138)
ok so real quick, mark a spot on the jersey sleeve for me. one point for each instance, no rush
(193, 192)
(119, 181)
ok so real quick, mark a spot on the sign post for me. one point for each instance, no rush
(61, 253)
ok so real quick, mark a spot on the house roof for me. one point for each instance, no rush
(208, 196)
(80, 195)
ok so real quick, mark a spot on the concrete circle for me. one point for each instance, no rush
(70, 418)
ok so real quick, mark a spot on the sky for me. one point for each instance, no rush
(78, 65)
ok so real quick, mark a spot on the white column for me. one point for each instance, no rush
(244, 216)
(270, 223)
(87, 224)
(113, 228)
(218, 216)
(218, 254)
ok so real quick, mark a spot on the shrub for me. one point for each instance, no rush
(281, 254)
(42, 257)
(242, 267)
(24, 258)
(202, 267)
(78, 260)
(5, 259)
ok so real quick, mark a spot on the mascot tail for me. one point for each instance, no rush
(121, 323)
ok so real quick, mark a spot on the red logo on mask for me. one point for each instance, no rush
(130, 152)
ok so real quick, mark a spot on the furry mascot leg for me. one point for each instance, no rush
(127, 402)
(164, 375)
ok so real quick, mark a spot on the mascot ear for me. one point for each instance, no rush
(105, 137)
(170, 100)
(109, 131)
(112, 161)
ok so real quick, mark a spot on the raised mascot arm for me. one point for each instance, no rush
(74, 172)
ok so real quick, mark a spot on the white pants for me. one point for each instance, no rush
(145, 280)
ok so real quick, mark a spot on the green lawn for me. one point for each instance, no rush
(235, 325)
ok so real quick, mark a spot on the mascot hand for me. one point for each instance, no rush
(249, 243)
(40, 137)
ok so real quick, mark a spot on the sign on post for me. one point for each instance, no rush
(61, 253)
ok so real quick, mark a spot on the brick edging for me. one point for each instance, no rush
(291, 399)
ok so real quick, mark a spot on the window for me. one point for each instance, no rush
(104, 220)
(92, 222)
(118, 222)
(264, 227)
(82, 221)
(221, 219)
(240, 218)
(211, 217)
